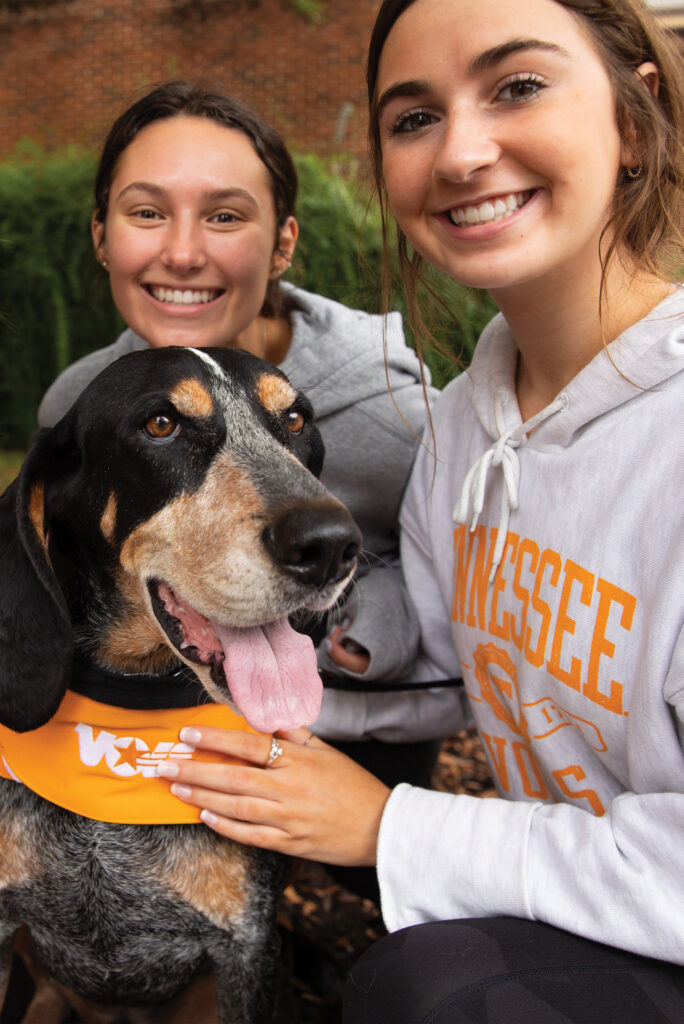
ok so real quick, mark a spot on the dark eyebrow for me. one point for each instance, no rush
(494, 56)
(410, 88)
(488, 59)
(213, 196)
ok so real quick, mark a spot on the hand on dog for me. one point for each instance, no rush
(312, 802)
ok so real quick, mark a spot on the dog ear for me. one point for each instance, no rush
(35, 630)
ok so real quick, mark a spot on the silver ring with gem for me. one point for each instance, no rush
(274, 753)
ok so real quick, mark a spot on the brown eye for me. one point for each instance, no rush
(295, 421)
(161, 427)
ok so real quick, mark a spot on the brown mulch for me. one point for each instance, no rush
(325, 927)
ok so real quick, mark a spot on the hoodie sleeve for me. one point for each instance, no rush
(616, 879)
(395, 717)
(370, 475)
(64, 391)
(602, 878)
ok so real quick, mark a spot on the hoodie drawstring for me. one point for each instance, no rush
(501, 453)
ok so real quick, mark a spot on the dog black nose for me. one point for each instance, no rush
(315, 544)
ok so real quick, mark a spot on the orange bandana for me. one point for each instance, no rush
(100, 761)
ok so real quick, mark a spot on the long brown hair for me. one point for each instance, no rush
(646, 218)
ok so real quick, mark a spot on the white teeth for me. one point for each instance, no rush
(499, 209)
(183, 298)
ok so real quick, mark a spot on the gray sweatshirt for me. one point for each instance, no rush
(572, 651)
(336, 357)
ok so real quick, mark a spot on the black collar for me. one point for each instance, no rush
(178, 689)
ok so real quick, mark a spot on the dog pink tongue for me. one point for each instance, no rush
(272, 675)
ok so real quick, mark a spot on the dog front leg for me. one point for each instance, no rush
(48, 1005)
(246, 978)
(7, 933)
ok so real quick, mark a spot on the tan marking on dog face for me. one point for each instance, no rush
(136, 643)
(207, 546)
(275, 394)
(36, 513)
(217, 884)
(108, 520)
(192, 399)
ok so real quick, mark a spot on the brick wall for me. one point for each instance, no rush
(68, 67)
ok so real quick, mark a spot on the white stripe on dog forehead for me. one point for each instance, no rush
(215, 367)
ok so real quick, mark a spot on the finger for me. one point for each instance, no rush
(247, 746)
(302, 737)
(263, 836)
(250, 809)
(212, 776)
(349, 660)
(335, 634)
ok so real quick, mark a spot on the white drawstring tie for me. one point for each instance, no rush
(501, 453)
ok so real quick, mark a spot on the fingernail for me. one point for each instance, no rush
(208, 818)
(167, 769)
(346, 623)
(327, 644)
(190, 735)
(182, 791)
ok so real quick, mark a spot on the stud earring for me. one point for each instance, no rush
(105, 262)
(634, 172)
(277, 271)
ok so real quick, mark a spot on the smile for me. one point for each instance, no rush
(489, 211)
(184, 297)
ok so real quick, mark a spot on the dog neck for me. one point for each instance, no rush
(99, 760)
(177, 689)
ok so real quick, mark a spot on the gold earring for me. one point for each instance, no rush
(634, 172)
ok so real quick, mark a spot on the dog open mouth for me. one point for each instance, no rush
(269, 671)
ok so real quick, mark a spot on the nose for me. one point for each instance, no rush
(467, 146)
(183, 248)
(316, 544)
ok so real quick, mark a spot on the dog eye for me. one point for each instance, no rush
(295, 421)
(161, 427)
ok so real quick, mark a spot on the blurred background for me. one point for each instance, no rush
(69, 67)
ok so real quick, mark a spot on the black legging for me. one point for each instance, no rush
(502, 970)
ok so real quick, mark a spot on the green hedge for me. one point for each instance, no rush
(55, 304)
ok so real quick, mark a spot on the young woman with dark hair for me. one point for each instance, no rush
(194, 222)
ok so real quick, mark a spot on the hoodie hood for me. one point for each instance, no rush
(337, 352)
(645, 356)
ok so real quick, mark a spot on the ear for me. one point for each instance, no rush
(284, 250)
(97, 233)
(35, 630)
(650, 77)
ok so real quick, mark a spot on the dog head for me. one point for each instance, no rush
(174, 512)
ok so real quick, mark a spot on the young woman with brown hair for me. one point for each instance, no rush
(534, 150)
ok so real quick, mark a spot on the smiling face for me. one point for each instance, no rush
(190, 236)
(500, 145)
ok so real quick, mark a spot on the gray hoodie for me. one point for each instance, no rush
(337, 358)
(572, 652)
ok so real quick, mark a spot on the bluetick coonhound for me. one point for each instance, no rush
(174, 507)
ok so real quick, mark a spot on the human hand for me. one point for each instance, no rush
(345, 652)
(312, 801)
